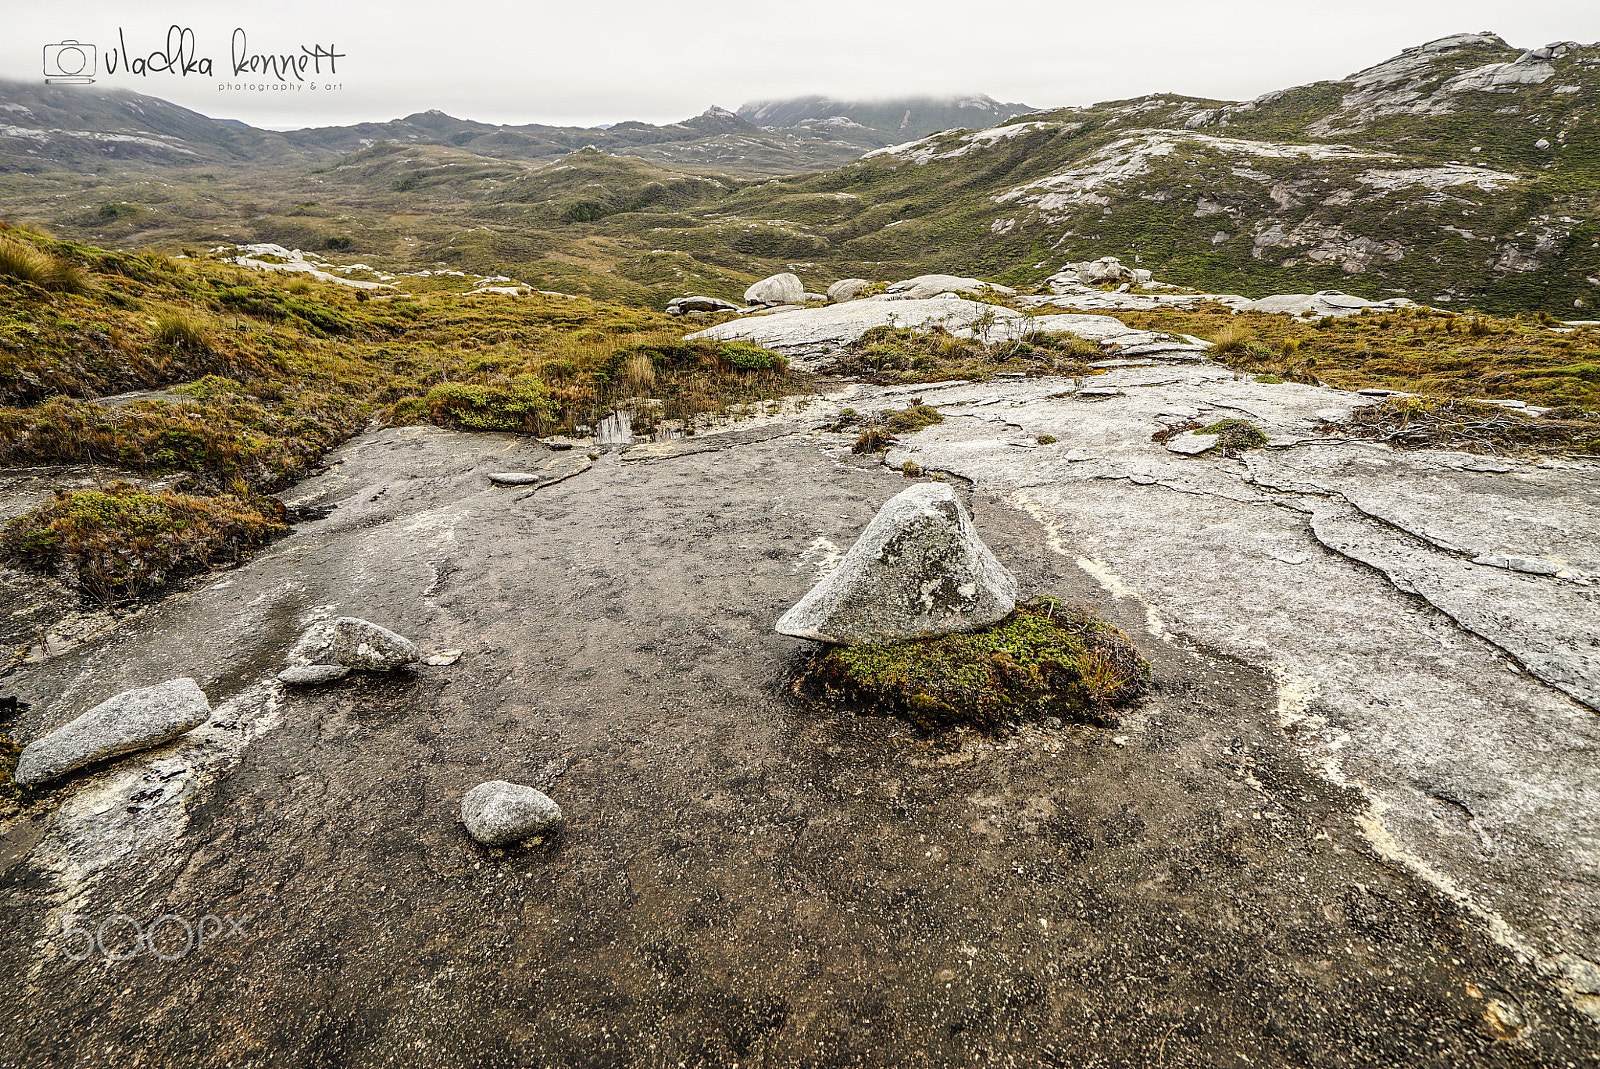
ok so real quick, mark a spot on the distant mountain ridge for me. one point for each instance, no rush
(41, 124)
(901, 119)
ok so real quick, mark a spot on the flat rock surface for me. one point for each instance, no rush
(548, 471)
(745, 879)
(1461, 698)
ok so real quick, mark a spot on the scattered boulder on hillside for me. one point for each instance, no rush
(1329, 303)
(803, 334)
(918, 571)
(847, 289)
(776, 289)
(133, 720)
(499, 813)
(1095, 272)
(682, 305)
(924, 286)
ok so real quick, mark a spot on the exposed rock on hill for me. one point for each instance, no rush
(777, 289)
(810, 333)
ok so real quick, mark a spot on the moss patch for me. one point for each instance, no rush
(911, 420)
(1235, 435)
(1045, 659)
(121, 541)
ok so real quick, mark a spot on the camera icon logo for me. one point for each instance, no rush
(69, 63)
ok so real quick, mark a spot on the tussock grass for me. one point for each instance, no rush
(898, 355)
(122, 542)
(1435, 422)
(1232, 338)
(25, 263)
(177, 330)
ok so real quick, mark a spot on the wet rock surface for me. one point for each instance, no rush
(362, 644)
(311, 675)
(742, 878)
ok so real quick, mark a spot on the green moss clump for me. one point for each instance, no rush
(1236, 435)
(1045, 659)
(122, 542)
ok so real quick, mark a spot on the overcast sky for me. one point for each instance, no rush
(587, 63)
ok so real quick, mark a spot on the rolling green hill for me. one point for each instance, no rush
(1463, 172)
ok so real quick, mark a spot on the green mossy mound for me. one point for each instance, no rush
(1043, 660)
(1236, 435)
(122, 542)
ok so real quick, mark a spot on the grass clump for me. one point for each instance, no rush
(24, 263)
(897, 354)
(520, 403)
(1235, 435)
(175, 330)
(1045, 659)
(911, 420)
(1473, 426)
(122, 542)
(879, 432)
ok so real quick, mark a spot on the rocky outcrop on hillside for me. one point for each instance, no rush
(1457, 173)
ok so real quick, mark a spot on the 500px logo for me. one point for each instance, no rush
(72, 62)
(119, 937)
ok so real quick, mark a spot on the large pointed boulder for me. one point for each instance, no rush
(918, 571)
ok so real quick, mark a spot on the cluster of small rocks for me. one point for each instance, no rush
(496, 813)
(1076, 285)
(785, 291)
